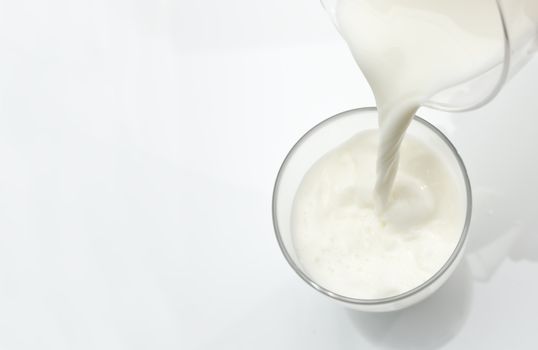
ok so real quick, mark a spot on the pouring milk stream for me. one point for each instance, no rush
(409, 50)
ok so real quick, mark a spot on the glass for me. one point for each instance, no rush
(311, 147)
(518, 42)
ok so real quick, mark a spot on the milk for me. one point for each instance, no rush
(382, 213)
(345, 246)
(409, 50)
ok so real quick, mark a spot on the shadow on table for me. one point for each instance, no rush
(499, 231)
(427, 325)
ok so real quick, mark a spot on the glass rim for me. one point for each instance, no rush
(387, 300)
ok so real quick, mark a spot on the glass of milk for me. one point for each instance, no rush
(500, 40)
(407, 283)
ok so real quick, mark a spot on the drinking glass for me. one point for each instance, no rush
(317, 142)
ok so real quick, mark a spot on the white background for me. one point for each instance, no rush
(139, 142)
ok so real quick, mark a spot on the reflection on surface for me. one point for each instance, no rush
(427, 325)
(499, 231)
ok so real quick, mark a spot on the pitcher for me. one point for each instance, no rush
(512, 27)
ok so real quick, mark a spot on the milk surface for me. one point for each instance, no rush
(345, 246)
(382, 213)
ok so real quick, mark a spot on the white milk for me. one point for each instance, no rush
(409, 50)
(354, 233)
(346, 247)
